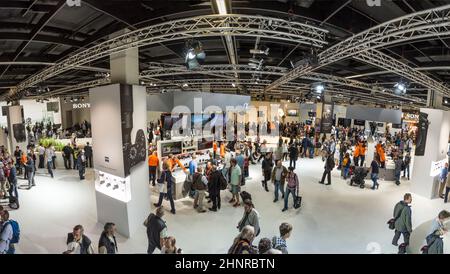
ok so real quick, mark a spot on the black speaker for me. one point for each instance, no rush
(19, 133)
(422, 134)
(5, 111)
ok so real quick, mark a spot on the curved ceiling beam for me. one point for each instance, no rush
(428, 23)
(189, 28)
(49, 39)
(161, 70)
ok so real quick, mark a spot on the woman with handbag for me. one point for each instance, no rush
(165, 185)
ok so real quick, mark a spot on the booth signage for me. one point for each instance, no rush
(436, 167)
(81, 105)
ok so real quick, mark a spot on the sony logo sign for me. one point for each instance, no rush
(81, 105)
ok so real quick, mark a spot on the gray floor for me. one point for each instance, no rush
(333, 219)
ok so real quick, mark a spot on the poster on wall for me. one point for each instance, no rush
(327, 118)
(436, 167)
(132, 153)
(422, 134)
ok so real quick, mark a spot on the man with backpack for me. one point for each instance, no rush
(10, 234)
(216, 182)
(402, 219)
(329, 166)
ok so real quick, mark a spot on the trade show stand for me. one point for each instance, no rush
(183, 148)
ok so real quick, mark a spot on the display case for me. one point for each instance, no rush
(113, 186)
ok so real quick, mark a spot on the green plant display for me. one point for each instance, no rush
(51, 142)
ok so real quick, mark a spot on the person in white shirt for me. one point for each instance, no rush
(41, 156)
(49, 153)
(6, 232)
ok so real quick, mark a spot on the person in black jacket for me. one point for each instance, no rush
(329, 166)
(107, 243)
(267, 166)
(88, 155)
(293, 155)
(156, 230)
(214, 188)
(67, 152)
(77, 236)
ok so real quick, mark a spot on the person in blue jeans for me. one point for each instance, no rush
(279, 174)
(374, 168)
(166, 178)
(311, 148)
(398, 169)
(291, 188)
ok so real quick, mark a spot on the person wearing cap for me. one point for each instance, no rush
(291, 187)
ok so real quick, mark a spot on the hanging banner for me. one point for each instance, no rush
(327, 118)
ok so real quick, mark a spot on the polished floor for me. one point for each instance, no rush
(333, 219)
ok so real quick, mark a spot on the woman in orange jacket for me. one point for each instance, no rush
(362, 153)
(382, 157)
(356, 154)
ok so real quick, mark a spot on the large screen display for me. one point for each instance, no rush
(170, 148)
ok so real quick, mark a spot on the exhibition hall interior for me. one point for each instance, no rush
(224, 126)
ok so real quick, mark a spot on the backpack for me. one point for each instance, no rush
(223, 182)
(16, 231)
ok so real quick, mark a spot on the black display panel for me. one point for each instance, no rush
(204, 144)
(359, 122)
(19, 133)
(311, 114)
(422, 134)
(292, 112)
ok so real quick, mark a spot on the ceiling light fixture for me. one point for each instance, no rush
(400, 88)
(233, 84)
(222, 7)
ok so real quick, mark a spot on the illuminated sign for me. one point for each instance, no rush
(81, 105)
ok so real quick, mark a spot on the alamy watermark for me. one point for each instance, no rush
(213, 121)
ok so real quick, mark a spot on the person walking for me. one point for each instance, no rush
(402, 217)
(67, 152)
(107, 243)
(329, 166)
(375, 170)
(242, 244)
(30, 170)
(18, 157)
(12, 178)
(291, 188)
(41, 156)
(362, 153)
(165, 185)
(214, 182)
(278, 178)
(200, 184)
(438, 230)
(443, 180)
(49, 154)
(267, 166)
(7, 237)
(156, 230)
(407, 163)
(280, 242)
(251, 217)
(293, 155)
(398, 169)
(78, 241)
(153, 163)
(88, 154)
(81, 164)
(346, 164)
(235, 182)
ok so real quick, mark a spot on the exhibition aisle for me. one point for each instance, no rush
(333, 219)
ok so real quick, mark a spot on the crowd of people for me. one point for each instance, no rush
(345, 149)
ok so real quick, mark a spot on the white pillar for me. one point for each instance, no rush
(435, 150)
(119, 118)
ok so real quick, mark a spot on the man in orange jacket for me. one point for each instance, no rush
(214, 149)
(153, 162)
(362, 153)
(173, 161)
